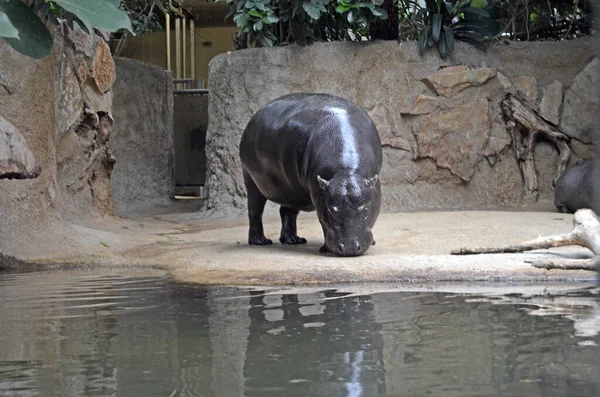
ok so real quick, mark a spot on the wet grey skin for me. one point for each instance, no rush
(579, 187)
(314, 152)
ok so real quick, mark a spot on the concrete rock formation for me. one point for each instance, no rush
(66, 133)
(143, 136)
(445, 140)
(16, 159)
(451, 80)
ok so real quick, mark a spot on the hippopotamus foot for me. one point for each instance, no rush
(292, 240)
(259, 240)
(288, 226)
(256, 207)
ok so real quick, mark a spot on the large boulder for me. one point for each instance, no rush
(16, 159)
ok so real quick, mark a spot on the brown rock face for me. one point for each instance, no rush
(103, 68)
(455, 138)
(16, 160)
(387, 133)
(452, 80)
(527, 88)
(422, 105)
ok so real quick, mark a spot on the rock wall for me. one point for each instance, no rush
(83, 78)
(445, 141)
(143, 136)
(61, 106)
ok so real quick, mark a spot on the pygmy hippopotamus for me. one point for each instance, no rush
(310, 152)
(579, 187)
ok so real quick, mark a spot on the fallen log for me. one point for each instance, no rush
(585, 233)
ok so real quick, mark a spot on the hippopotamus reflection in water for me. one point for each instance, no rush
(310, 152)
(579, 187)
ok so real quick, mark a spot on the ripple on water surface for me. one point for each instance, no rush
(76, 333)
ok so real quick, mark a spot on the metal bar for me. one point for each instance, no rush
(178, 47)
(168, 29)
(183, 35)
(194, 91)
(192, 49)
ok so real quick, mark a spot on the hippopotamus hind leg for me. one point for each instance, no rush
(256, 207)
(288, 226)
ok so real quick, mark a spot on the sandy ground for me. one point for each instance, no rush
(411, 247)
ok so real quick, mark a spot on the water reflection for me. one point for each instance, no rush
(111, 334)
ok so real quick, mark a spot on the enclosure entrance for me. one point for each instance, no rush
(189, 136)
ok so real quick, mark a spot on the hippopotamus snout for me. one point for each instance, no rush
(350, 246)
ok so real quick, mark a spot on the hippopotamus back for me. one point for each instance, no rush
(291, 140)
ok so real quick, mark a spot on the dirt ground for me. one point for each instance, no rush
(411, 247)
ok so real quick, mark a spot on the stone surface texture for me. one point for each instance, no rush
(44, 101)
(82, 126)
(455, 138)
(582, 98)
(423, 104)
(411, 248)
(16, 159)
(103, 68)
(527, 88)
(143, 136)
(552, 97)
(451, 80)
(456, 155)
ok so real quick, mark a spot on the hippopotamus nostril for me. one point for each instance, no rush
(341, 247)
(357, 246)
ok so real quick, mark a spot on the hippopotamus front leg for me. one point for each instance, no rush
(256, 207)
(288, 226)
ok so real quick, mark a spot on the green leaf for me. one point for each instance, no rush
(533, 17)
(254, 13)
(341, 9)
(423, 39)
(6, 27)
(442, 46)
(34, 39)
(379, 12)
(311, 10)
(351, 16)
(258, 26)
(447, 7)
(270, 19)
(241, 20)
(265, 41)
(437, 27)
(479, 3)
(449, 38)
(98, 14)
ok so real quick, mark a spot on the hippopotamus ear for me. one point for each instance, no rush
(322, 182)
(371, 182)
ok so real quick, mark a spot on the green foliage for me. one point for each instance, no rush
(266, 23)
(444, 23)
(32, 37)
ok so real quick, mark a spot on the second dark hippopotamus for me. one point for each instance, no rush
(579, 187)
(310, 152)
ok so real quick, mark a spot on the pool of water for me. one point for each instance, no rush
(76, 333)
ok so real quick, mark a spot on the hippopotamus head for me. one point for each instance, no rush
(347, 206)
